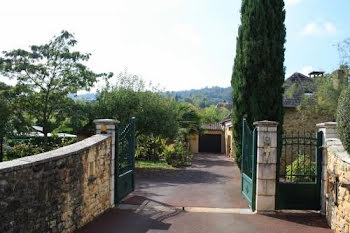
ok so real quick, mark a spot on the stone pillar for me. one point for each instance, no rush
(329, 130)
(108, 126)
(266, 166)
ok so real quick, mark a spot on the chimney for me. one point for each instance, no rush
(315, 74)
(340, 78)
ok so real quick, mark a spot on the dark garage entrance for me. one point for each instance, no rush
(210, 143)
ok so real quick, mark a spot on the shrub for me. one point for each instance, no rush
(343, 118)
(302, 169)
(177, 154)
(149, 148)
(21, 150)
(18, 148)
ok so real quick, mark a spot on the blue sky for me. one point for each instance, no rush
(314, 27)
(180, 44)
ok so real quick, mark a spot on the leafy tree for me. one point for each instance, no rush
(213, 114)
(258, 72)
(324, 99)
(202, 97)
(189, 121)
(344, 51)
(48, 73)
(343, 118)
(4, 117)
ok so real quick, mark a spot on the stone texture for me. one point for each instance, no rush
(266, 187)
(337, 206)
(57, 191)
(264, 157)
(108, 126)
(266, 171)
(266, 166)
(295, 121)
(266, 204)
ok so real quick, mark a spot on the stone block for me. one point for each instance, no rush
(266, 187)
(264, 137)
(272, 129)
(262, 156)
(265, 203)
(266, 171)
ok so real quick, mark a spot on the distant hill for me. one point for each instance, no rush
(203, 97)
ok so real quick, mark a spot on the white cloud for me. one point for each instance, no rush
(319, 29)
(292, 2)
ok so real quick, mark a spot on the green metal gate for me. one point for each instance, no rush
(248, 167)
(125, 161)
(299, 172)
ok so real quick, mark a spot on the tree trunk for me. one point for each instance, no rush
(45, 132)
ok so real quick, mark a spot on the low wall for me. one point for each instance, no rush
(337, 186)
(56, 191)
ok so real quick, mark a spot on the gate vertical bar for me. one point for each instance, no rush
(116, 165)
(254, 162)
(319, 145)
(132, 149)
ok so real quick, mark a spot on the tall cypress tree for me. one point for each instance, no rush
(258, 73)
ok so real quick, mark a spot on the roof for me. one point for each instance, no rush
(226, 119)
(295, 87)
(213, 126)
(316, 73)
(39, 133)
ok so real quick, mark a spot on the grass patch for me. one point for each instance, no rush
(159, 165)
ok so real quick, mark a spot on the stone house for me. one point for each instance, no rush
(297, 86)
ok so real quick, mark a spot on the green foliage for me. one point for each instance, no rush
(153, 165)
(202, 97)
(4, 116)
(177, 154)
(155, 115)
(324, 99)
(46, 74)
(21, 150)
(258, 73)
(13, 116)
(18, 148)
(213, 114)
(149, 148)
(302, 169)
(343, 118)
(188, 119)
(325, 95)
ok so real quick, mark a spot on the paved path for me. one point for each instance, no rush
(211, 181)
(209, 191)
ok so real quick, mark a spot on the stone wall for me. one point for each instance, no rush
(193, 141)
(295, 121)
(56, 191)
(337, 186)
(229, 140)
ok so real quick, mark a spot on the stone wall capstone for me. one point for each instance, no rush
(56, 191)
